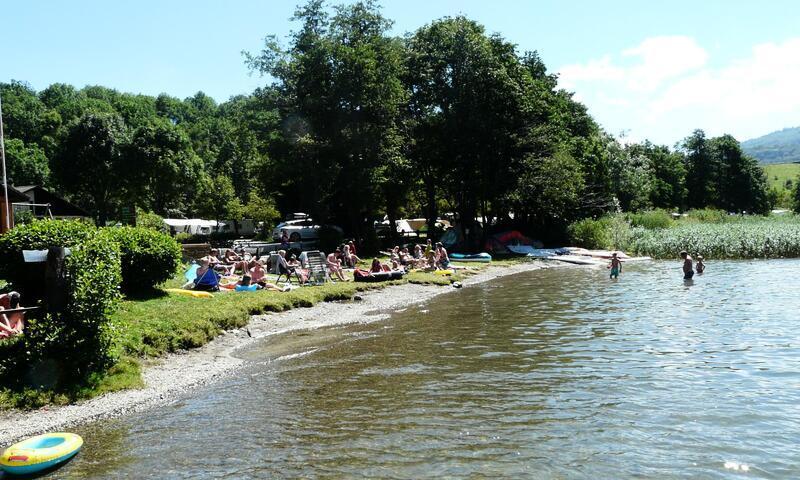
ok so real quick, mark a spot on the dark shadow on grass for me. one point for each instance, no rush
(146, 294)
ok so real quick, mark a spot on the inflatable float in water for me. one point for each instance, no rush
(40, 453)
(477, 257)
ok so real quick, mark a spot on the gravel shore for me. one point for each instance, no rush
(175, 374)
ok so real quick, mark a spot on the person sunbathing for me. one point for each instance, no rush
(442, 259)
(350, 259)
(13, 323)
(376, 266)
(431, 263)
(285, 269)
(334, 267)
(231, 256)
(206, 279)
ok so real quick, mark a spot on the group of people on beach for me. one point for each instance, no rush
(429, 257)
(252, 270)
(689, 267)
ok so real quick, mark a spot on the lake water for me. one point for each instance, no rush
(552, 374)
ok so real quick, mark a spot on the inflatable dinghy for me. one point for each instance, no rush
(40, 453)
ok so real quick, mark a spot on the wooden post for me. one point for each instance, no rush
(55, 280)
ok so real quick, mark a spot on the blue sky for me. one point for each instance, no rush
(650, 70)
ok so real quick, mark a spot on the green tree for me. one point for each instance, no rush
(90, 163)
(161, 168)
(668, 189)
(22, 111)
(741, 185)
(340, 78)
(26, 164)
(261, 211)
(549, 190)
(218, 199)
(702, 171)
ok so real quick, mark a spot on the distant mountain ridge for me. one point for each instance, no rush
(782, 146)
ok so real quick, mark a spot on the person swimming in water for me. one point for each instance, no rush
(616, 266)
(688, 270)
(700, 267)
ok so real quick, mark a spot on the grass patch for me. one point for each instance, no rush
(778, 174)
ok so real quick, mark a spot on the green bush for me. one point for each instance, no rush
(591, 233)
(149, 258)
(60, 348)
(707, 215)
(38, 235)
(151, 220)
(651, 219)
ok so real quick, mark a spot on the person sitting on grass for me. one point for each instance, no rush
(430, 264)
(245, 285)
(442, 259)
(350, 259)
(334, 267)
(231, 256)
(257, 272)
(378, 267)
(207, 279)
(12, 323)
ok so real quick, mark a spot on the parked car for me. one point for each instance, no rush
(299, 229)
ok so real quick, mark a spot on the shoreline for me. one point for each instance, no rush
(166, 378)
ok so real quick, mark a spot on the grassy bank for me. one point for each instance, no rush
(151, 327)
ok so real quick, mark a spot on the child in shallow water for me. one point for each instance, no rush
(616, 266)
(699, 266)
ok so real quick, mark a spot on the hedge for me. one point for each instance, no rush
(149, 258)
(38, 235)
(60, 348)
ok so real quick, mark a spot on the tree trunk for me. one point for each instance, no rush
(431, 210)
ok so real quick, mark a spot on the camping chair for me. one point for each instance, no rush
(278, 267)
(317, 267)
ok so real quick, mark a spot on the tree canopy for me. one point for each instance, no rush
(356, 124)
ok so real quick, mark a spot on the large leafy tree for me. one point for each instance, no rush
(161, 168)
(702, 171)
(668, 182)
(91, 161)
(741, 184)
(340, 81)
(466, 111)
(26, 164)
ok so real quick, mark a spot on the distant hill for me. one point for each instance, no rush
(782, 146)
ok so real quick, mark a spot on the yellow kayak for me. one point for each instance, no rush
(190, 293)
(40, 453)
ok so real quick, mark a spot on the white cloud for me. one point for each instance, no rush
(665, 87)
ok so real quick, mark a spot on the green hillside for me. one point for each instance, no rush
(779, 173)
(782, 177)
(782, 146)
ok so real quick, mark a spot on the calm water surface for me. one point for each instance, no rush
(555, 374)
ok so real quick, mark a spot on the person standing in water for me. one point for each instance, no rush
(688, 270)
(616, 266)
(700, 266)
